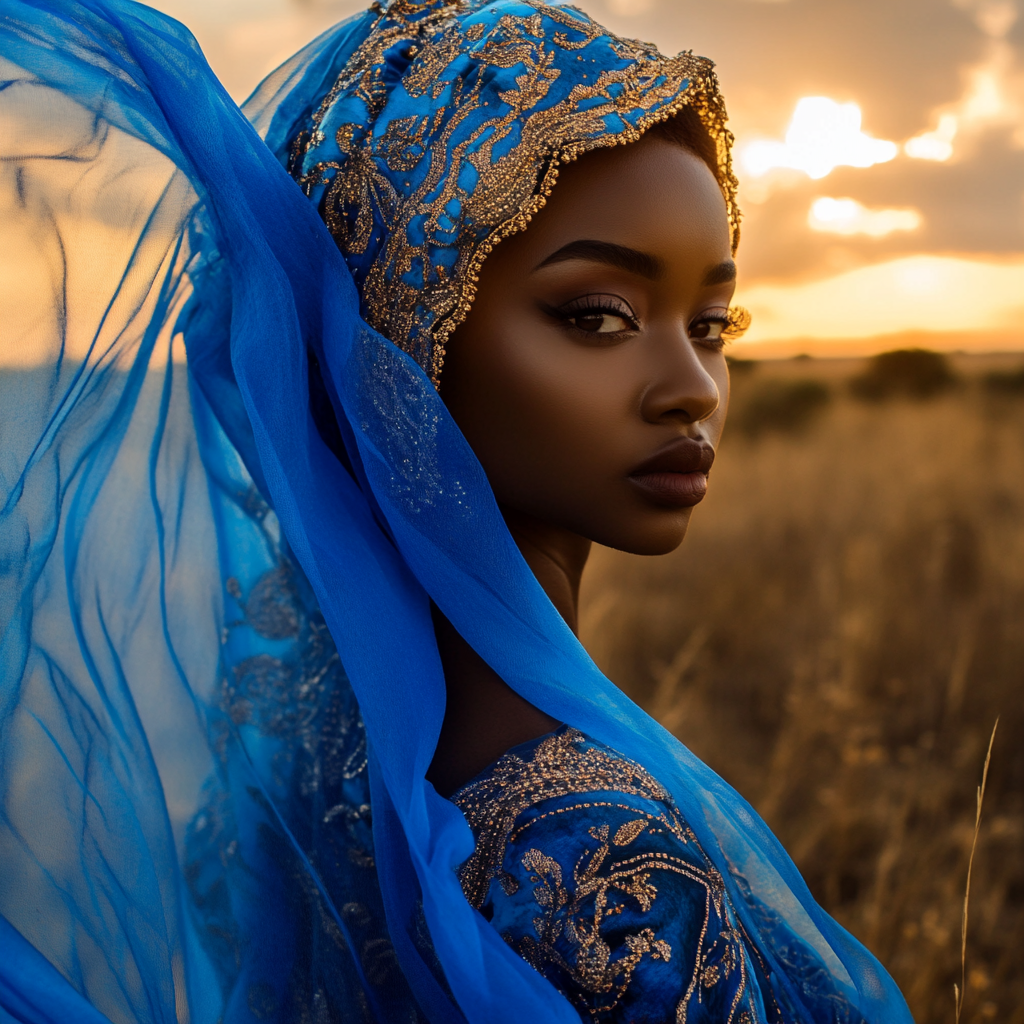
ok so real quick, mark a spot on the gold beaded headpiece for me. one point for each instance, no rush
(444, 134)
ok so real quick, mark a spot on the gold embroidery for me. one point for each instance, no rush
(574, 911)
(413, 293)
(560, 766)
(628, 832)
(592, 966)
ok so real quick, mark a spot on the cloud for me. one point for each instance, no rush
(848, 217)
(916, 293)
(937, 144)
(822, 135)
(994, 17)
(993, 94)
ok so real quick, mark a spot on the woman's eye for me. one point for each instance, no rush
(717, 327)
(600, 323)
(708, 330)
(597, 315)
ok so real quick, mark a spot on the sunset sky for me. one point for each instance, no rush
(880, 148)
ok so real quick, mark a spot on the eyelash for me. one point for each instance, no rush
(596, 305)
(739, 322)
(735, 320)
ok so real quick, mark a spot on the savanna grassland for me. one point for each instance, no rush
(836, 638)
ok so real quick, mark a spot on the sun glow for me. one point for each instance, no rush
(848, 217)
(822, 136)
(916, 293)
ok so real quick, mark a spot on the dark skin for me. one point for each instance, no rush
(590, 380)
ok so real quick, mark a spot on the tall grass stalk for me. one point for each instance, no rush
(960, 991)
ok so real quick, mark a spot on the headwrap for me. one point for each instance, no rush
(219, 685)
(444, 134)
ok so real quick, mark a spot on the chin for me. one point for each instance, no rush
(653, 535)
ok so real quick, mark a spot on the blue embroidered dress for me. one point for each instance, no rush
(586, 868)
(230, 496)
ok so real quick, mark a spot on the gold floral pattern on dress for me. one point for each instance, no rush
(559, 766)
(598, 846)
(421, 179)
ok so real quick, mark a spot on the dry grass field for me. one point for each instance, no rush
(836, 638)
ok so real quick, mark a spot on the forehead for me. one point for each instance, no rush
(652, 195)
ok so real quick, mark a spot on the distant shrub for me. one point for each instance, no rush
(904, 373)
(782, 405)
(740, 367)
(1003, 382)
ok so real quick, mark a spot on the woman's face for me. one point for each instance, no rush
(589, 377)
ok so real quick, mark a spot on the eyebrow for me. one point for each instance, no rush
(631, 260)
(721, 273)
(621, 256)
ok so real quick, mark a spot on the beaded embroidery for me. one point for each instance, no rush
(444, 134)
(590, 873)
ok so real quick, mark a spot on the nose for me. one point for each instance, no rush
(680, 388)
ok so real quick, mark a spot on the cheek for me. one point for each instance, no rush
(549, 421)
(558, 427)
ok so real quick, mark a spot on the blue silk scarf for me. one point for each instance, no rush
(227, 499)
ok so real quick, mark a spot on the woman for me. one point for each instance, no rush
(297, 498)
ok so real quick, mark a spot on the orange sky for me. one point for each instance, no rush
(880, 151)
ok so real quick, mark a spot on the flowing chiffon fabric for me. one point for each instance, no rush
(202, 603)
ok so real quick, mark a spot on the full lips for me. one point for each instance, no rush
(678, 489)
(677, 474)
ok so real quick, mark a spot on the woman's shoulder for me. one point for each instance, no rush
(587, 869)
(570, 790)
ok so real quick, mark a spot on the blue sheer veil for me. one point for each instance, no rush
(216, 650)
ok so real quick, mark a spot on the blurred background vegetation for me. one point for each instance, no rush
(836, 638)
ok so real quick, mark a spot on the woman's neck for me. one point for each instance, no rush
(557, 558)
(484, 716)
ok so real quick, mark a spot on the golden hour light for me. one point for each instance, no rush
(916, 293)
(822, 136)
(848, 217)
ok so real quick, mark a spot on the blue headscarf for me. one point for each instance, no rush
(444, 132)
(229, 492)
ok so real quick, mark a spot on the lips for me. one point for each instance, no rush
(676, 476)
